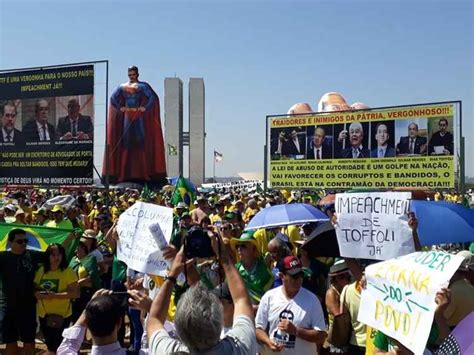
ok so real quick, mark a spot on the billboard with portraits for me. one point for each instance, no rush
(47, 126)
(413, 147)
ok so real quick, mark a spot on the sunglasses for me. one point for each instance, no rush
(297, 276)
(21, 241)
(241, 246)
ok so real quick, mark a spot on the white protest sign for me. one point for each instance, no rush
(137, 246)
(400, 296)
(373, 225)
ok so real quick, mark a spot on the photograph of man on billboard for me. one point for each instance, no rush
(442, 139)
(415, 143)
(11, 135)
(382, 142)
(74, 125)
(320, 141)
(353, 141)
(290, 143)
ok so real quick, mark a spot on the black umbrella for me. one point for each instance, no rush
(322, 241)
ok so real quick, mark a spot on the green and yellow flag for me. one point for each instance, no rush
(183, 192)
(38, 237)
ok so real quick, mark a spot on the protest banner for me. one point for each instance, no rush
(373, 225)
(137, 246)
(400, 296)
(47, 126)
(248, 185)
(412, 147)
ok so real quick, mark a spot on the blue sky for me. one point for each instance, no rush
(259, 57)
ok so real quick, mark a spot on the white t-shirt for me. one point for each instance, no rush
(304, 311)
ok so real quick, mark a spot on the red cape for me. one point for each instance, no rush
(134, 163)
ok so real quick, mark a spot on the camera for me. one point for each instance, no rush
(197, 244)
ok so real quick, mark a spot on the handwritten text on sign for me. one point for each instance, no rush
(373, 225)
(400, 296)
(137, 247)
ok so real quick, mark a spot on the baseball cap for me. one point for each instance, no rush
(290, 265)
(468, 262)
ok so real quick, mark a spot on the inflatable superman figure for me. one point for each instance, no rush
(135, 148)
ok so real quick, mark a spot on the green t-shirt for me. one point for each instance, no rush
(258, 280)
(119, 270)
(87, 267)
(385, 343)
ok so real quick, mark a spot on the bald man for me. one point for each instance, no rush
(332, 102)
(38, 128)
(300, 108)
(356, 139)
(74, 125)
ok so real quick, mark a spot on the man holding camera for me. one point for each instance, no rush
(199, 317)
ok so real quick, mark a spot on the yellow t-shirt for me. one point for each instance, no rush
(153, 286)
(65, 224)
(215, 218)
(249, 212)
(293, 233)
(351, 297)
(262, 237)
(54, 281)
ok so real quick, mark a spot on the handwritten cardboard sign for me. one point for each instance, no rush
(137, 246)
(374, 225)
(400, 296)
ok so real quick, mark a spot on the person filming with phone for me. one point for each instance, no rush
(199, 313)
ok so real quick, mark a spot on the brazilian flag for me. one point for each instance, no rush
(183, 192)
(39, 237)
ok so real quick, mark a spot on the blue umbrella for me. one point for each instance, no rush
(443, 222)
(284, 215)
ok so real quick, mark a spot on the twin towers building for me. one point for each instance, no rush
(176, 138)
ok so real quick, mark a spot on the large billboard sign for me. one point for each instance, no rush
(47, 126)
(413, 147)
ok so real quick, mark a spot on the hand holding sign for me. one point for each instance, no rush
(400, 296)
(138, 247)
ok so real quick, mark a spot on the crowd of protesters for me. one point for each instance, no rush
(261, 293)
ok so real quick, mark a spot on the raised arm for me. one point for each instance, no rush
(238, 291)
(160, 305)
(413, 224)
